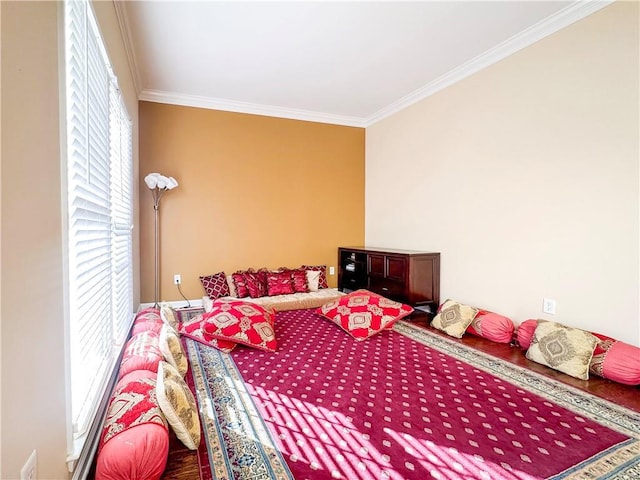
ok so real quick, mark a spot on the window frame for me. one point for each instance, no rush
(82, 442)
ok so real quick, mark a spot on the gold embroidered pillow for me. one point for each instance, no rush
(168, 316)
(172, 351)
(568, 350)
(178, 405)
(454, 318)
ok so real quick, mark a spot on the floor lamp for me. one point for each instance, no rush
(158, 184)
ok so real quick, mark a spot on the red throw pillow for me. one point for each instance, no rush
(142, 352)
(616, 360)
(240, 283)
(280, 283)
(215, 286)
(322, 282)
(524, 333)
(192, 328)
(363, 313)
(492, 326)
(256, 283)
(299, 280)
(135, 438)
(241, 322)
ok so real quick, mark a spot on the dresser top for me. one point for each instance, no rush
(390, 250)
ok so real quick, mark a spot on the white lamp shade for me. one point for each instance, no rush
(155, 180)
(151, 180)
(162, 182)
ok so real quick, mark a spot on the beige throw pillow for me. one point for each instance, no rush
(313, 279)
(171, 349)
(568, 350)
(178, 405)
(168, 316)
(454, 318)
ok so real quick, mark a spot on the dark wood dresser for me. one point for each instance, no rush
(404, 275)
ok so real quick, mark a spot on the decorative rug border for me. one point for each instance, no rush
(231, 454)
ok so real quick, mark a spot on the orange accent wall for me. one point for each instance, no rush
(253, 191)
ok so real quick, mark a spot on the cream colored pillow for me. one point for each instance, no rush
(232, 286)
(454, 318)
(168, 316)
(172, 351)
(178, 405)
(568, 350)
(313, 279)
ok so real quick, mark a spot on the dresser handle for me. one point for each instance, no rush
(385, 289)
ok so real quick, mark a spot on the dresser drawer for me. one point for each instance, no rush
(386, 288)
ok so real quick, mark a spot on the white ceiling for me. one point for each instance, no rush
(349, 63)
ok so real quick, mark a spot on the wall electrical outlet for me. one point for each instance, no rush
(177, 279)
(549, 306)
(28, 471)
(332, 270)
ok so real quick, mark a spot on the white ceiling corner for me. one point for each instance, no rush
(345, 63)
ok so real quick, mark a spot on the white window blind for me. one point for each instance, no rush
(99, 187)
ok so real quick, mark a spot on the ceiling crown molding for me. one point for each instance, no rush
(250, 108)
(125, 31)
(561, 19)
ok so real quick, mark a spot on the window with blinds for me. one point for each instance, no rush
(100, 218)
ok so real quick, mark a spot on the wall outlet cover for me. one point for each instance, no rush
(549, 306)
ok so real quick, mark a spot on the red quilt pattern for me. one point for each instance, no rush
(363, 313)
(192, 328)
(241, 322)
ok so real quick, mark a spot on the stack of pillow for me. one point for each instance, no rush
(263, 282)
(150, 396)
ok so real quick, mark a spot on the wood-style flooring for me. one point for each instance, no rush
(183, 463)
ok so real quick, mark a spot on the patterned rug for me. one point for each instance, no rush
(405, 404)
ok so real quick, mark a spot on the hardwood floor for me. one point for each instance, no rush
(183, 463)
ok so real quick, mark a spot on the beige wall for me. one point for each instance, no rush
(33, 324)
(525, 177)
(254, 192)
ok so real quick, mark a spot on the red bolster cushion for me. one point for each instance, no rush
(142, 352)
(492, 326)
(616, 360)
(134, 444)
(524, 333)
(147, 313)
(147, 326)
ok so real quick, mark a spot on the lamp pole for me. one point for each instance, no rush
(157, 193)
(158, 184)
